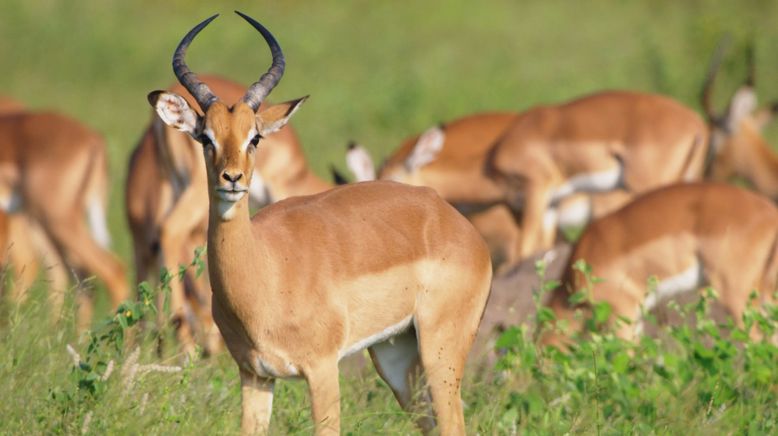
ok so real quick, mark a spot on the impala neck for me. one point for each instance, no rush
(762, 165)
(232, 254)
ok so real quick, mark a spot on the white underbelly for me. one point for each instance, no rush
(688, 280)
(598, 181)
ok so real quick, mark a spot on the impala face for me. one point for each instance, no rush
(737, 146)
(229, 135)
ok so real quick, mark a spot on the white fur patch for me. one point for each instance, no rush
(427, 148)
(259, 193)
(212, 136)
(249, 137)
(589, 182)
(226, 209)
(550, 219)
(97, 222)
(360, 163)
(573, 214)
(378, 337)
(687, 281)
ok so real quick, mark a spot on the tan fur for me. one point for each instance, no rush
(167, 200)
(657, 140)
(743, 152)
(57, 166)
(459, 174)
(731, 232)
(310, 277)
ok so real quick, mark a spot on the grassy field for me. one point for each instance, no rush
(376, 72)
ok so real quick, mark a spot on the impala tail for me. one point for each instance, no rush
(96, 196)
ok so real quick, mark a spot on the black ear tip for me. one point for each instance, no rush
(153, 97)
(351, 145)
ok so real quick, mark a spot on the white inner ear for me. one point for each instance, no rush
(175, 112)
(361, 165)
(743, 104)
(427, 148)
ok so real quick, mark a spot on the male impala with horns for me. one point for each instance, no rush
(311, 279)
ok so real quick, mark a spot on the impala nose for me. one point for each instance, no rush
(232, 177)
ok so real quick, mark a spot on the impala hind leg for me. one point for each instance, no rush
(256, 403)
(75, 244)
(397, 361)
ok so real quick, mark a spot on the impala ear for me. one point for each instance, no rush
(742, 105)
(427, 148)
(360, 163)
(274, 117)
(174, 111)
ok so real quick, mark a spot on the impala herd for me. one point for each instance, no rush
(391, 264)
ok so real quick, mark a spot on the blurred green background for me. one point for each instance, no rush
(377, 72)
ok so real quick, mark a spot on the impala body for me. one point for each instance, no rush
(53, 169)
(687, 236)
(167, 201)
(311, 279)
(615, 141)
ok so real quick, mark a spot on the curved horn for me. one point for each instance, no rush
(260, 89)
(710, 78)
(188, 79)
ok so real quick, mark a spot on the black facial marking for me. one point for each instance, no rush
(204, 139)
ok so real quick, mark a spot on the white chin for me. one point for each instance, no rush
(231, 197)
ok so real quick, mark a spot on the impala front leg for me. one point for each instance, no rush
(536, 204)
(257, 403)
(324, 387)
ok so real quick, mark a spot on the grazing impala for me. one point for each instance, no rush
(311, 279)
(167, 201)
(737, 145)
(451, 159)
(53, 169)
(687, 236)
(609, 141)
(25, 246)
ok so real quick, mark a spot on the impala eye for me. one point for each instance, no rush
(255, 140)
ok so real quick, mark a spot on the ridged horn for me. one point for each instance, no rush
(199, 90)
(258, 91)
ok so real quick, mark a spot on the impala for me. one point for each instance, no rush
(451, 159)
(167, 202)
(737, 145)
(311, 279)
(53, 170)
(687, 236)
(26, 246)
(615, 141)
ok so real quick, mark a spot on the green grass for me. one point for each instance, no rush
(377, 72)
